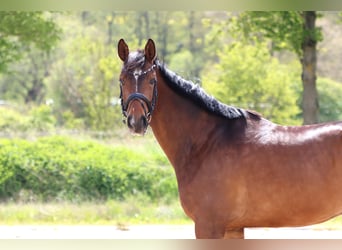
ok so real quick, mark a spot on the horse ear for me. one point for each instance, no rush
(150, 50)
(123, 50)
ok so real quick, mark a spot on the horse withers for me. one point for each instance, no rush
(234, 168)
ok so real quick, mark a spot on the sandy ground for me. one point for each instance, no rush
(153, 232)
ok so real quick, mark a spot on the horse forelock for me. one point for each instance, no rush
(135, 60)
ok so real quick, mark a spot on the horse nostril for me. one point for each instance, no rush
(130, 121)
(144, 121)
(137, 125)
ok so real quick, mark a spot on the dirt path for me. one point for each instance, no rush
(153, 232)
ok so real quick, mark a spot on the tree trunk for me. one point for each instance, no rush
(110, 20)
(310, 96)
(192, 37)
(161, 20)
(146, 17)
(34, 80)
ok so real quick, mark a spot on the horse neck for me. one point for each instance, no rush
(178, 124)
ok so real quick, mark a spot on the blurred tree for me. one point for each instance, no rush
(83, 77)
(142, 27)
(292, 30)
(196, 41)
(330, 93)
(110, 22)
(24, 81)
(85, 82)
(25, 28)
(247, 76)
(186, 51)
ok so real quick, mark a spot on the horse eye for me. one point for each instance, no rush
(121, 82)
(153, 81)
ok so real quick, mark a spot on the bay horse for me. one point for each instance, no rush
(234, 168)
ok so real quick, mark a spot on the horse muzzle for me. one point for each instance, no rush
(137, 125)
(138, 112)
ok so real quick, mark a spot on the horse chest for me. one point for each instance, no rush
(212, 193)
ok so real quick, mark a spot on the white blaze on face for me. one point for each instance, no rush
(137, 72)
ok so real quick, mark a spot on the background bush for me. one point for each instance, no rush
(60, 168)
(330, 104)
(249, 77)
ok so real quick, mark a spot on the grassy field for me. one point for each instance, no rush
(133, 211)
(129, 212)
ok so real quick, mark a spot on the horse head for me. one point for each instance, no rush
(138, 82)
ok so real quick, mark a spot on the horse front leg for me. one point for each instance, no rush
(207, 230)
(217, 231)
(236, 233)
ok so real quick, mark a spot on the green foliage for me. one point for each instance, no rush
(24, 80)
(181, 61)
(69, 121)
(247, 76)
(283, 28)
(330, 105)
(19, 29)
(88, 88)
(41, 118)
(12, 120)
(58, 168)
(37, 118)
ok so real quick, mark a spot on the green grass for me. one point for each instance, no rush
(129, 212)
(332, 224)
(133, 211)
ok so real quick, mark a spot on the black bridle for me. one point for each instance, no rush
(150, 104)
